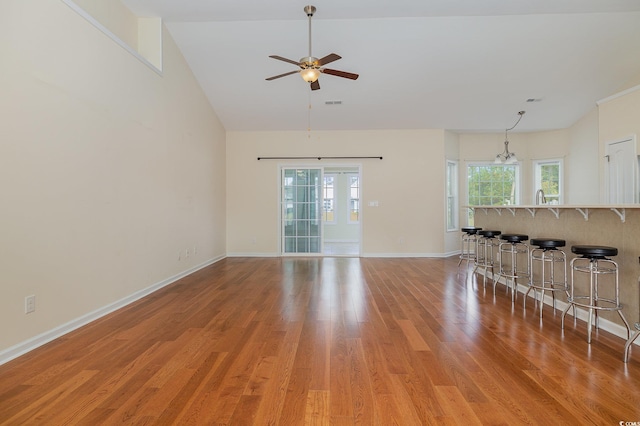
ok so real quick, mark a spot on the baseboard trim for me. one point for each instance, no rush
(253, 255)
(614, 328)
(387, 255)
(28, 345)
(406, 255)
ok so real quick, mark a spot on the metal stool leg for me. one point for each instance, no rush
(630, 341)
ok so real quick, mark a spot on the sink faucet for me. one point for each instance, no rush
(540, 198)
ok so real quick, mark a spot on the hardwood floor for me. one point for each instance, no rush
(325, 341)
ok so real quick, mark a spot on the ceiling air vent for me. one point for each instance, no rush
(534, 99)
(333, 102)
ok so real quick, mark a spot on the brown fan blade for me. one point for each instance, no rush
(328, 59)
(280, 58)
(315, 85)
(337, 73)
(281, 75)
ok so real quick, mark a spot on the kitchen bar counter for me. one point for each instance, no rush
(608, 225)
(619, 209)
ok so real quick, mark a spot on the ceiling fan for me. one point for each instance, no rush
(310, 67)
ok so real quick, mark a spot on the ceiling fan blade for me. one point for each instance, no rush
(328, 59)
(342, 74)
(280, 58)
(281, 75)
(315, 85)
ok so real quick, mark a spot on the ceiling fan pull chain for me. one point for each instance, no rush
(309, 118)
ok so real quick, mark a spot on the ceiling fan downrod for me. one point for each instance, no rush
(310, 10)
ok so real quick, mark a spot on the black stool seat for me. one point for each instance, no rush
(489, 234)
(547, 243)
(470, 230)
(514, 238)
(594, 251)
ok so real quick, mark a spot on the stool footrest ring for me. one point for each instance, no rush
(614, 307)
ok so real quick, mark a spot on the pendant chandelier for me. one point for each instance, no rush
(507, 157)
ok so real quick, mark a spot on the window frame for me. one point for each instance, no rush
(517, 178)
(334, 199)
(452, 198)
(350, 199)
(537, 176)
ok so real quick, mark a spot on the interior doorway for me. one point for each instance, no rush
(342, 214)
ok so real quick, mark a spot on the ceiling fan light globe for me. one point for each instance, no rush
(310, 74)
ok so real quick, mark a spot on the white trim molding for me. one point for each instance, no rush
(618, 95)
(80, 11)
(48, 336)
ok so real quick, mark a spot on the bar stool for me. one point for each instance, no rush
(469, 238)
(594, 260)
(485, 243)
(513, 251)
(544, 258)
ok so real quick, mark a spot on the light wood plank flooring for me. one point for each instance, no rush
(337, 341)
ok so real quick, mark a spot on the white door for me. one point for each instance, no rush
(621, 168)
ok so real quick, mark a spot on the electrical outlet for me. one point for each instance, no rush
(29, 304)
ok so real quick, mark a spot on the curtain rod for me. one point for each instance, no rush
(315, 158)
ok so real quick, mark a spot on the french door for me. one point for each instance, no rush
(301, 210)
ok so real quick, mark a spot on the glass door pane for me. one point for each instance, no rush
(301, 210)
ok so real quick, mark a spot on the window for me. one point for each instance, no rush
(354, 199)
(548, 177)
(452, 195)
(329, 199)
(493, 184)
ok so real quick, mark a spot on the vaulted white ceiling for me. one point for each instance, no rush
(465, 65)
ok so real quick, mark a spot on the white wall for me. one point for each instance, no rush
(107, 171)
(115, 16)
(408, 185)
(582, 179)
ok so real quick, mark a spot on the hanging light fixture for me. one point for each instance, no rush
(310, 74)
(506, 156)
